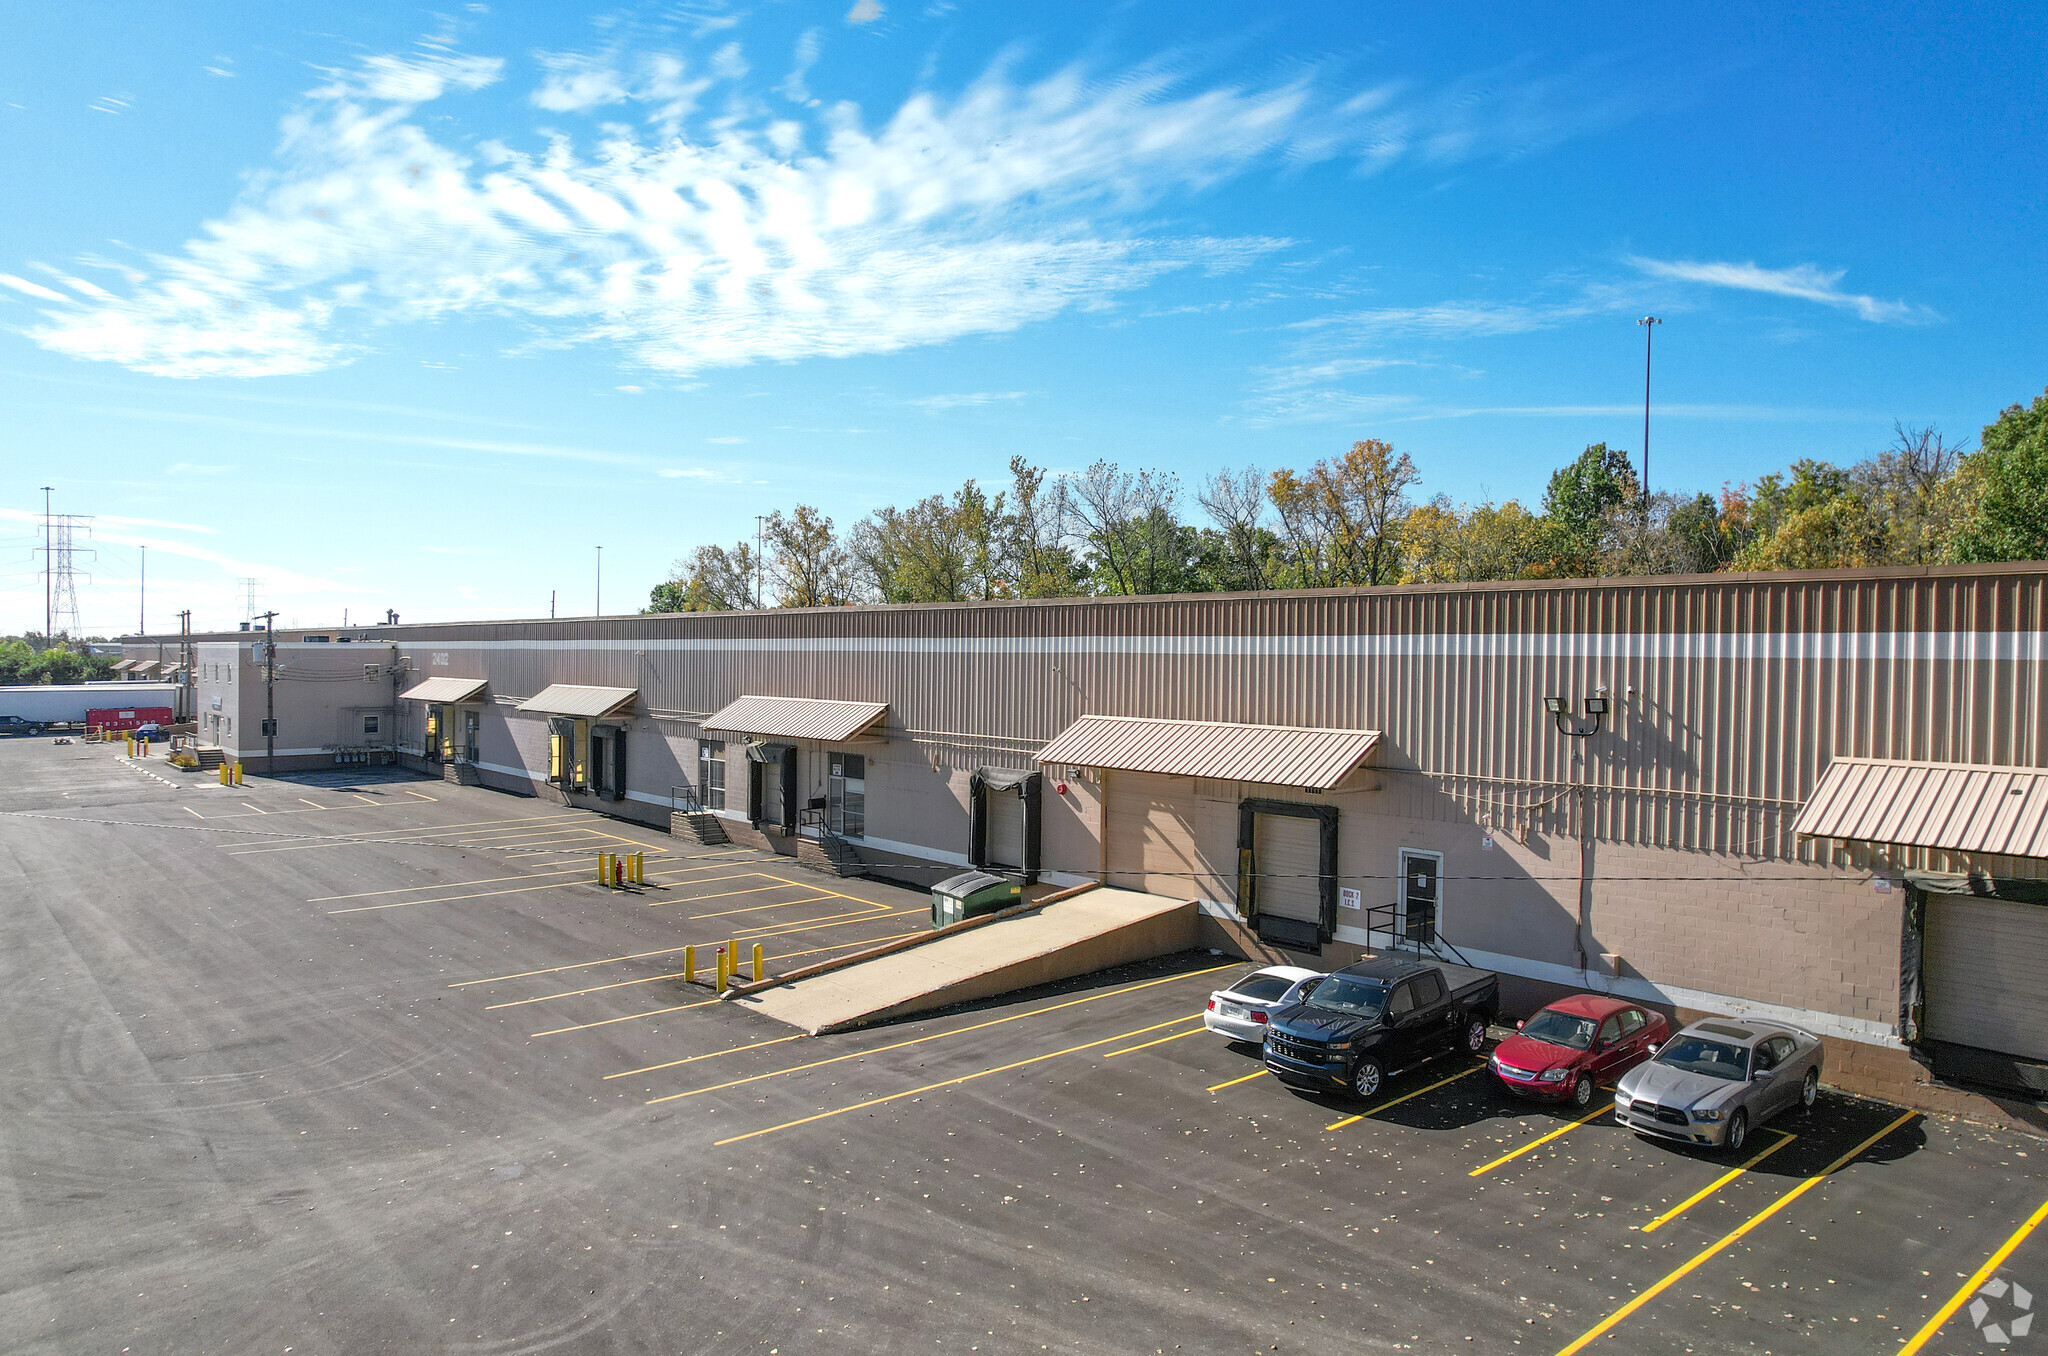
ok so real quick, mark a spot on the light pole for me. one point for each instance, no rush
(49, 564)
(600, 581)
(1648, 323)
(759, 519)
(142, 603)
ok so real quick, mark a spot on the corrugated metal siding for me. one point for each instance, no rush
(1731, 693)
(1251, 753)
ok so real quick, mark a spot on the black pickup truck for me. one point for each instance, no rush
(1378, 1017)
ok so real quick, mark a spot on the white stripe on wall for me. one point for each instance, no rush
(1896, 646)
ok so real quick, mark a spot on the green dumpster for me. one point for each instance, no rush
(971, 894)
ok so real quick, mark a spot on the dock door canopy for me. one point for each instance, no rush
(1287, 871)
(1004, 810)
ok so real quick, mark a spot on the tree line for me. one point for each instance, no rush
(1356, 519)
(33, 659)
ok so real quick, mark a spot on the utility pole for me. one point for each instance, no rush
(269, 694)
(191, 703)
(49, 564)
(1648, 322)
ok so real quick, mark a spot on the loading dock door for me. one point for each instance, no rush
(1006, 829)
(1288, 854)
(1981, 969)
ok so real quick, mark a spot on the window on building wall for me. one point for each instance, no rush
(711, 773)
(369, 725)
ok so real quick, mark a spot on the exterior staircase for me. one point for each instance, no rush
(699, 826)
(831, 855)
(461, 773)
(209, 756)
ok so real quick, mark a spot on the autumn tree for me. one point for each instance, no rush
(1239, 553)
(1341, 521)
(936, 551)
(2008, 480)
(711, 579)
(1443, 543)
(1125, 524)
(1036, 558)
(808, 563)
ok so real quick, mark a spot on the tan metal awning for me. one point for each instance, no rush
(126, 665)
(1282, 755)
(1952, 807)
(574, 699)
(145, 668)
(444, 690)
(798, 718)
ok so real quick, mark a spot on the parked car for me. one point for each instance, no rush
(1567, 1049)
(15, 725)
(1719, 1079)
(1242, 1010)
(1376, 1018)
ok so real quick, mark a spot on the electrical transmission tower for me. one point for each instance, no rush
(62, 567)
(249, 608)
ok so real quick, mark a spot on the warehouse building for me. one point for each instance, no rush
(1821, 797)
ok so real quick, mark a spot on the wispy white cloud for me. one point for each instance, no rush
(937, 404)
(864, 11)
(1805, 282)
(757, 238)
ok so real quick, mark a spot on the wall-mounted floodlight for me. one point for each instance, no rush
(1560, 713)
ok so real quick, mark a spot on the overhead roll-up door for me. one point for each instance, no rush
(1981, 969)
(1006, 829)
(1288, 853)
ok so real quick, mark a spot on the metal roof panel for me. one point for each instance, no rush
(1279, 755)
(576, 699)
(798, 718)
(1952, 807)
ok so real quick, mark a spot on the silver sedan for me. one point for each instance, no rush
(1240, 1011)
(1718, 1079)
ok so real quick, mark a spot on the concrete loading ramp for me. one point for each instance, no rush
(1073, 936)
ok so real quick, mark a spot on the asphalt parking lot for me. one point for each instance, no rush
(348, 1064)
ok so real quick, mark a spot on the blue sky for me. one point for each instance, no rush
(405, 308)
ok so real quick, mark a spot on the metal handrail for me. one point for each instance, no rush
(1433, 946)
(686, 803)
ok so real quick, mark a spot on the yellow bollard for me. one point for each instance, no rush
(757, 962)
(238, 772)
(723, 961)
(639, 868)
(223, 774)
(689, 965)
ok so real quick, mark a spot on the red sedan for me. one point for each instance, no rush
(1575, 1044)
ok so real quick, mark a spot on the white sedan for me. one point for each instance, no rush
(1241, 1011)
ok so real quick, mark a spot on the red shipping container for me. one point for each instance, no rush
(127, 718)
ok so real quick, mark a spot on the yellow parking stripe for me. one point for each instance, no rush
(1177, 1036)
(629, 1017)
(1699, 1259)
(945, 1083)
(1723, 1180)
(757, 908)
(1235, 1081)
(678, 974)
(1539, 1143)
(1969, 1287)
(490, 880)
(1408, 1096)
(714, 1054)
(942, 1035)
